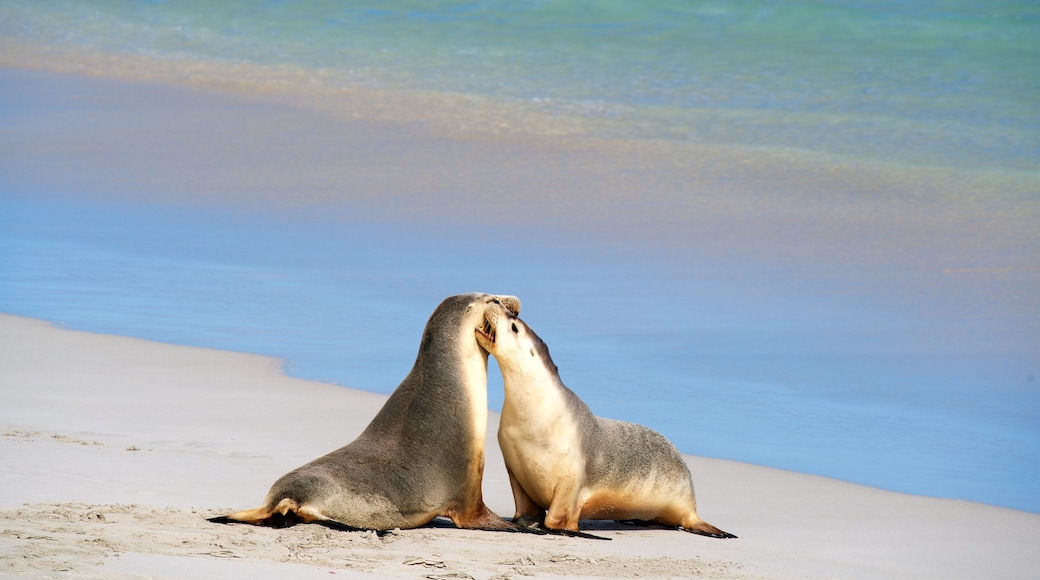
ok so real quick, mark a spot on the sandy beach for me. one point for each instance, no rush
(115, 450)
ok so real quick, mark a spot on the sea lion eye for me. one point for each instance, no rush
(514, 328)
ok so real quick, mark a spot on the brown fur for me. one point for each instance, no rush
(564, 463)
(422, 456)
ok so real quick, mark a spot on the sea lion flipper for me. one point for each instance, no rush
(529, 521)
(309, 515)
(703, 528)
(285, 513)
(222, 520)
(264, 516)
(483, 518)
(578, 534)
(260, 516)
(340, 526)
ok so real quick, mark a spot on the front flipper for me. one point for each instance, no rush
(564, 512)
(527, 511)
(533, 522)
(577, 534)
(482, 518)
(537, 526)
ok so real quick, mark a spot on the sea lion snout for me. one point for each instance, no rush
(489, 330)
(487, 333)
(511, 303)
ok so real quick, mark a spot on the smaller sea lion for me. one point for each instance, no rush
(422, 456)
(564, 463)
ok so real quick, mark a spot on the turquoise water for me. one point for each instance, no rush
(749, 361)
(948, 83)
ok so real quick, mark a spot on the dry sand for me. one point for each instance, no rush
(115, 450)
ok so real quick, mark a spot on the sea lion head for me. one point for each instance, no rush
(454, 322)
(509, 339)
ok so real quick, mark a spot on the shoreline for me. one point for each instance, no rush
(115, 449)
(948, 281)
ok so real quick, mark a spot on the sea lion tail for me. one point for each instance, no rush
(703, 528)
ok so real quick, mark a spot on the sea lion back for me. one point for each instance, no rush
(564, 463)
(420, 457)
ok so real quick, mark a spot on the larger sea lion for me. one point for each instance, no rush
(564, 463)
(422, 456)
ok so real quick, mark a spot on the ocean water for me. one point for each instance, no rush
(947, 82)
(750, 360)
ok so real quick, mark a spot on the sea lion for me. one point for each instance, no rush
(564, 463)
(422, 456)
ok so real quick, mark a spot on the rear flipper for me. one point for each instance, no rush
(700, 528)
(261, 516)
(703, 528)
(287, 513)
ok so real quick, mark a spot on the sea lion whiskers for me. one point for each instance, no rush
(490, 328)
